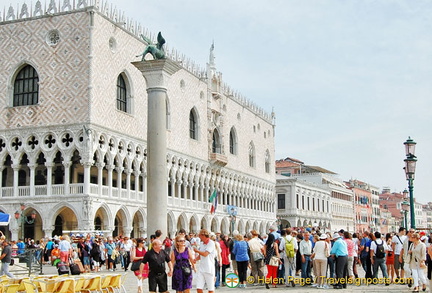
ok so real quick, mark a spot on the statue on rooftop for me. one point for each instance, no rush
(156, 50)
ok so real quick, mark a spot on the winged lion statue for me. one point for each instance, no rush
(156, 50)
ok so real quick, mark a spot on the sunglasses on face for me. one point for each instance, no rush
(181, 241)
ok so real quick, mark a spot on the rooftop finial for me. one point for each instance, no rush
(212, 57)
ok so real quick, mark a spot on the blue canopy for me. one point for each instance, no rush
(4, 219)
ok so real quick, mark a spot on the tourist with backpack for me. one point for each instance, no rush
(378, 250)
(289, 247)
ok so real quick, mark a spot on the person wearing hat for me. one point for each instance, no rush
(320, 253)
(340, 251)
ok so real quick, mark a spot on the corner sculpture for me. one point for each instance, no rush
(156, 50)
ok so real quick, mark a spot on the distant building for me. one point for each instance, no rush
(301, 203)
(364, 205)
(340, 211)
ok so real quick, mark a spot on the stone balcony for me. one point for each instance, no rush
(218, 159)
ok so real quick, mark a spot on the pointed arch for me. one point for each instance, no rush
(267, 161)
(182, 222)
(123, 94)
(251, 152)
(193, 224)
(233, 141)
(214, 225)
(216, 142)
(193, 124)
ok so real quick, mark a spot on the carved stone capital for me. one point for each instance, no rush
(157, 72)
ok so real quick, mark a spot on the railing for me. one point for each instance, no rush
(7, 191)
(58, 189)
(27, 261)
(94, 189)
(40, 190)
(74, 189)
(23, 190)
(105, 191)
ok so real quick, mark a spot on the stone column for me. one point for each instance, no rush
(16, 168)
(119, 180)
(128, 179)
(86, 188)
(157, 74)
(110, 169)
(49, 166)
(137, 181)
(66, 180)
(32, 168)
(48, 232)
(100, 167)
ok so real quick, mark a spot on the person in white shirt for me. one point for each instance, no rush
(126, 246)
(378, 262)
(305, 248)
(321, 252)
(289, 262)
(397, 245)
(206, 255)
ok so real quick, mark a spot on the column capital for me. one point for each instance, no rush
(67, 164)
(86, 164)
(16, 167)
(100, 165)
(157, 72)
(49, 164)
(31, 166)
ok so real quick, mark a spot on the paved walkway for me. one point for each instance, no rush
(131, 286)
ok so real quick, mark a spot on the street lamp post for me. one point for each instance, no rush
(22, 219)
(410, 166)
(405, 206)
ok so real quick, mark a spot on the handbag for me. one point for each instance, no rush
(326, 250)
(274, 261)
(135, 266)
(186, 270)
(257, 256)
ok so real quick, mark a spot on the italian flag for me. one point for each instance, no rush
(213, 199)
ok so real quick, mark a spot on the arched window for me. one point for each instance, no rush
(233, 142)
(26, 87)
(122, 100)
(216, 147)
(251, 155)
(193, 125)
(267, 162)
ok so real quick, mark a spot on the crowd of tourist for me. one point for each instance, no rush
(288, 257)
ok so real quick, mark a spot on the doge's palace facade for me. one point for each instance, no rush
(73, 131)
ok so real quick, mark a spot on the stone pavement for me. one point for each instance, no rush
(131, 286)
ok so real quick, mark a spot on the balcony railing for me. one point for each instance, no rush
(73, 189)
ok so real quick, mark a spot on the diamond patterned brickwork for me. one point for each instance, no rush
(78, 85)
(62, 70)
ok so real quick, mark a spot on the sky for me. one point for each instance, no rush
(349, 81)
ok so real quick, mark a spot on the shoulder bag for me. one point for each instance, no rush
(135, 266)
(257, 256)
(274, 261)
